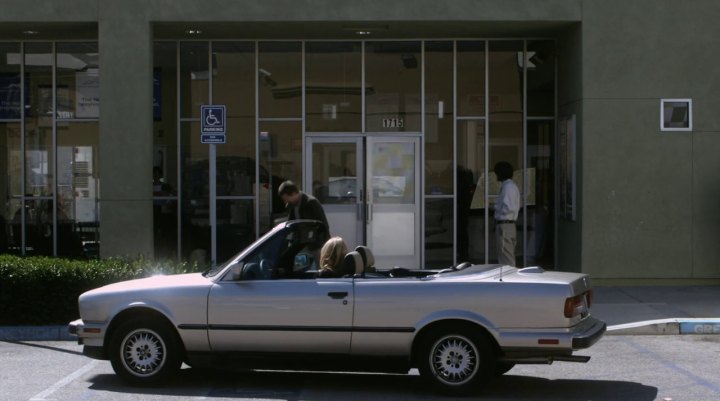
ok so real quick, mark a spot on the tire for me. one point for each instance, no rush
(145, 351)
(457, 360)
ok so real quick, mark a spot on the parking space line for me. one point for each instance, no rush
(64, 382)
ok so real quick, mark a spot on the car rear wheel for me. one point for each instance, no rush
(457, 361)
(145, 351)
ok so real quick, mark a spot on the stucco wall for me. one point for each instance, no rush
(650, 198)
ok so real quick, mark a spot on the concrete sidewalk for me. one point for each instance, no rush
(658, 309)
(628, 310)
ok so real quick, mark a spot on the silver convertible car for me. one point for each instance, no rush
(267, 309)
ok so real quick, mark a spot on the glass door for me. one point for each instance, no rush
(393, 200)
(334, 167)
(369, 188)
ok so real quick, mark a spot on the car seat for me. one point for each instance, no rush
(352, 264)
(367, 257)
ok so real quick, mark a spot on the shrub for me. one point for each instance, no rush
(44, 291)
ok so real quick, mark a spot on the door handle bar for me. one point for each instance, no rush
(338, 294)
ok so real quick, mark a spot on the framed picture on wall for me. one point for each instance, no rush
(567, 167)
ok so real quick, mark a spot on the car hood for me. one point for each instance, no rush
(154, 282)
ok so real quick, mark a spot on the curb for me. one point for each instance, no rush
(36, 333)
(697, 326)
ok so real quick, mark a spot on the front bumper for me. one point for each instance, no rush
(88, 333)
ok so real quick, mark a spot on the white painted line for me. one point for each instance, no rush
(64, 382)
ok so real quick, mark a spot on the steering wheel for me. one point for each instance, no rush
(266, 267)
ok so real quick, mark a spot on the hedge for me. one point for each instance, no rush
(44, 291)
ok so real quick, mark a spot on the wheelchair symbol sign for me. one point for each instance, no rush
(213, 119)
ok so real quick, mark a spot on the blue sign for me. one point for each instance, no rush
(212, 124)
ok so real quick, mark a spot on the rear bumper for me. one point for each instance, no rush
(590, 336)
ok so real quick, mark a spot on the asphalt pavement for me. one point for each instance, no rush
(627, 310)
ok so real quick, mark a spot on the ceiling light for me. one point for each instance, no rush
(193, 32)
(363, 33)
(30, 32)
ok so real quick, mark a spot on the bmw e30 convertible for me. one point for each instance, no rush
(266, 308)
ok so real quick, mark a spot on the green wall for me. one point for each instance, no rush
(650, 198)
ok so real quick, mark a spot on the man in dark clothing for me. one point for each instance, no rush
(301, 205)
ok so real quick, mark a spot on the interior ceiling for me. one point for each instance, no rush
(294, 30)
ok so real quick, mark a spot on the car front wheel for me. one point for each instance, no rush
(457, 361)
(145, 351)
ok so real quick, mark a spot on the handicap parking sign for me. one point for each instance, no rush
(212, 124)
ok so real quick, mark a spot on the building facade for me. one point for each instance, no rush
(393, 114)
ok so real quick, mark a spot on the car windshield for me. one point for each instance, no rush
(214, 271)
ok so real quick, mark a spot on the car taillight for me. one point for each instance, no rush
(577, 305)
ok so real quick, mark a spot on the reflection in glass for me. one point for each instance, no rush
(439, 233)
(234, 78)
(541, 193)
(194, 77)
(393, 173)
(235, 226)
(78, 211)
(471, 191)
(392, 86)
(333, 80)
(9, 81)
(78, 80)
(38, 226)
(165, 147)
(38, 120)
(281, 157)
(195, 204)
(438, 118)
(11, 225)
(541, 78)
(471, 78)
(280, 79)
(335, 178)
(235, 163)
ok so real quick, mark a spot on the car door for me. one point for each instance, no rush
(285, 315)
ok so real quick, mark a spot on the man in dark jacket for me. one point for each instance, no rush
(301, 205)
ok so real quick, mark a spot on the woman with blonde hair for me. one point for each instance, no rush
(331, 257)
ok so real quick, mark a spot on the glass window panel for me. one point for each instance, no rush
(541, 193)
(38, 119)
(333, 86)
(506, 125)
(281, 159)
(235, 163)
(165, 150)
(234, 77)
(392, 86)
(38, 226)
(235, 226)
(10, 190)
(335, 173)
(78, 186)
(438, 118)
(195, 204)
(10, 81)
(471, 191)
(541, 78)
(11, 235)
(11, 159)
(280, 79)
(471, 78)
(194, 78)
(439, 233)
(78, 80)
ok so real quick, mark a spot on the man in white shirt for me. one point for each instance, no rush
(506, 214)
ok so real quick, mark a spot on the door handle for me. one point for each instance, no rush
(338, 294)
